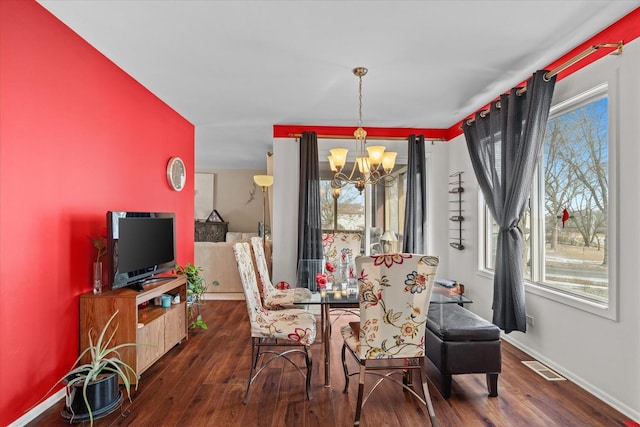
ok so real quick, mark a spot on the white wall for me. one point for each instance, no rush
(237, 199)
(285, 209)
(597, 353)
(438, 204)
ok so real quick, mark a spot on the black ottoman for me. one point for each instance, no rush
(461, 342)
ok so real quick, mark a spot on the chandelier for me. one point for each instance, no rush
(372, 164)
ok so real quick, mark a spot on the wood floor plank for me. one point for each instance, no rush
(202, 382)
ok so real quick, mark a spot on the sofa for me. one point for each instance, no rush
(219, 264)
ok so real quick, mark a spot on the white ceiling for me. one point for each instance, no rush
(236, 68)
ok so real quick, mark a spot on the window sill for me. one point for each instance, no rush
(603, 310)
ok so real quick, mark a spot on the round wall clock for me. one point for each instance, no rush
(176, 173)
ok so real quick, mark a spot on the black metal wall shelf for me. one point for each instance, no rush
(455, 202)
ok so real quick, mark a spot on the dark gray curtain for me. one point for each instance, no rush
(415, 213)
(309, 220)
(504, 146)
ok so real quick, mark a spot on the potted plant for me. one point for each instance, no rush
(196, 287)
(92, 389)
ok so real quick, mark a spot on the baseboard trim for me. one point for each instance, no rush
(605, 397)
(39, 409)
(224, 296)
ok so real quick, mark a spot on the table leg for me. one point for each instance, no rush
(326, 337)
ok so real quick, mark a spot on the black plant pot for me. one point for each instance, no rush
(103, 395)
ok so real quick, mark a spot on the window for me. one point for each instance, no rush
(566, 226)
(377, 209)
(343, 209)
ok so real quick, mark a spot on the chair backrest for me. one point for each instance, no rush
(261, 264)
(394, 294)
(248, 277)
(335, 246)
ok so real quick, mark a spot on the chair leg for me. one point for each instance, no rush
(255, 342)
(427, 395)
(307, 356)
(344, 368)
(363, 372)
(407, 374)
(255, 352)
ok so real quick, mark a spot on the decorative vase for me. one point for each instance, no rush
(97, 277)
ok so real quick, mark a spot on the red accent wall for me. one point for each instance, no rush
(78, 137)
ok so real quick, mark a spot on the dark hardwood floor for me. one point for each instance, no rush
(202, 381)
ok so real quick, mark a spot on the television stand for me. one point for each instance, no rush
(156, 328)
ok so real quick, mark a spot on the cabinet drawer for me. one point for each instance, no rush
(151, 338)
(175, 325)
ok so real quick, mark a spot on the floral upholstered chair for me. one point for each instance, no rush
(338, 250)
(394, 294)
(340, 247)
(291, 330)
(274, 299)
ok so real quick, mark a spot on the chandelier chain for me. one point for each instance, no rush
(372, 168)
(360, 101)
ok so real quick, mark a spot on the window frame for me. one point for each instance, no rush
(607, 309)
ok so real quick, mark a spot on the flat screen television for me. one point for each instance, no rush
(140, 245)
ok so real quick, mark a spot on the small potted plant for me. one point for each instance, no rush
(92, 389)
(196, 287)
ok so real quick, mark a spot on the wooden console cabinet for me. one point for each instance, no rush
(157, 329)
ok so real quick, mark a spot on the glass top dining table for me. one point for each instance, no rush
(339, 298)
(326, 299)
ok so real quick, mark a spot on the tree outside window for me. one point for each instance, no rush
(576, 199)
(349, 207)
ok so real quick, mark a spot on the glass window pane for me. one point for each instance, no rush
(576, 200)
(344, 213)
(492, 240)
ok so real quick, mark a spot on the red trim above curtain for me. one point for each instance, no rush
(288, 131)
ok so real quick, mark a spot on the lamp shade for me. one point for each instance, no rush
(364, 166)
(389, 236)
(339, 156)
(332, 165)
(263, 180)
(389, 160)
(376, 153)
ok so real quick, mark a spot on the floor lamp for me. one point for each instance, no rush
(264, 181)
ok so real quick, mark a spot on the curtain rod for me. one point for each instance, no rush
(562, 67)
(373, 138)
(577, 58)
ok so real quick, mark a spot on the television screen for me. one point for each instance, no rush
(139, 246)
